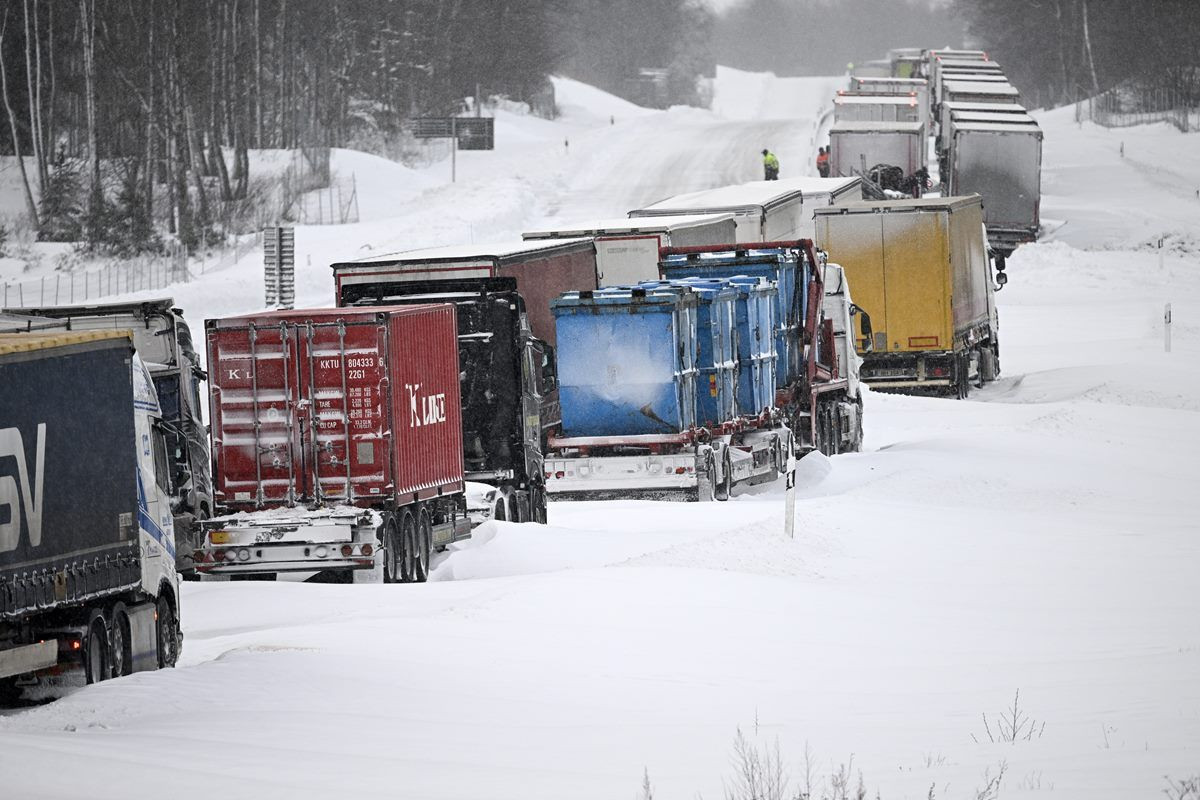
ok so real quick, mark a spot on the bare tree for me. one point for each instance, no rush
(30, 205)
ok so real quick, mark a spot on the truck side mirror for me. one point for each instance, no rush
(1001, 279)
(864, 326)
(549, 370)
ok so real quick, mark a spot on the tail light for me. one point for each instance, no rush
(680, 470)
(347, 550)
(367, 550)
(560, 474)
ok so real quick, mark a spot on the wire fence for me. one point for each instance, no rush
(1124, 106)
(120, 276)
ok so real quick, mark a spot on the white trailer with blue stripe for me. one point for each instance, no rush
(87, 546)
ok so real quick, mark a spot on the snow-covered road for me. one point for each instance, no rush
(1040, 538)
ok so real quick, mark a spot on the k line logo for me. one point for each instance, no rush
(12, 502)
(427, 409)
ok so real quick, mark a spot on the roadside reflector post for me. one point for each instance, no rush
(1167, 328)
(789, 496)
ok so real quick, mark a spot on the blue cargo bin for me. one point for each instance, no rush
(627, 361)
(716, 352)
(754, 321)
(784, 267)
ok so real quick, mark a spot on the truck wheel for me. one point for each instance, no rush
(987, 365)
(706, 479)
(167, 633)
(408, 548)
(424, 542)
(95, 661)
(10, 692)
(121, 645)
(391, 556)
(835, 430)
(537, 500)
(723, 489)
(962, 382)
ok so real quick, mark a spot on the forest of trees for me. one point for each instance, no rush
(138, 114)
(820, 37)
(1058, 51)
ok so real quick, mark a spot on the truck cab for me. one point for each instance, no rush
(164, 343)
(509, 389)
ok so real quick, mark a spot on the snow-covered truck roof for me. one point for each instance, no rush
(854, 126)
(755, 194)
(998, 127)
(620, 225)
(981, 87)
(497, 252)
(1001, 108)
(875, 99)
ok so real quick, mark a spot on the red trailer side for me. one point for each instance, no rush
(540, 280)
(335, 406)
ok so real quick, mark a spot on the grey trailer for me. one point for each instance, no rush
(853, 107)
(1002, 162)
(853, 145)
(765, 211)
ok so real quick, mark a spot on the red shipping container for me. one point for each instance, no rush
(335, 406)
(543, 270)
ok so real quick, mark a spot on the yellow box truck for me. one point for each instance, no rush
(921, 270)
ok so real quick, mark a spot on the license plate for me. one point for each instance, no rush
(219, 537)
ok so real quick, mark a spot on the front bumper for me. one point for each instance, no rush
(585, 474)
(300, 543)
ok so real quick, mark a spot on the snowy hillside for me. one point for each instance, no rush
(1040, 538)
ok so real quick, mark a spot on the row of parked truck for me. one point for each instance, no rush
(954, 110)
(685, 350)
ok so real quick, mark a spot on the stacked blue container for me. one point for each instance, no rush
(627, 360)
(754, 322)
(716, 353)
(779, 265)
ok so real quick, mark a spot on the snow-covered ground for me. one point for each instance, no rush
(1041, 537)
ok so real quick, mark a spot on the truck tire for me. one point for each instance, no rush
(987, 365)
(962, 381)
(724, 488)
(167, 630)
(706, 480)
(10, 692)
(424, 543)
(120, 643)
(824, 430)
(392, 556)
(408, 547)
(95, 656)
(537, 500)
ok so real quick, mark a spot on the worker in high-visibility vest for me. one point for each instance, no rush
(770, 166)
(823, 162)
